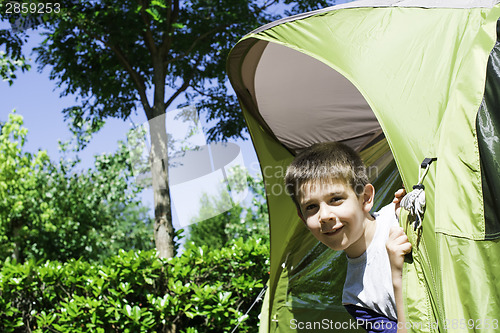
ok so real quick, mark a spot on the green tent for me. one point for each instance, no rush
(399, 81)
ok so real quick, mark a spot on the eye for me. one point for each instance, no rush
(336, 199)
(311, 207)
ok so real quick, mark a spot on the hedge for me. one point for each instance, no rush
(199, 291)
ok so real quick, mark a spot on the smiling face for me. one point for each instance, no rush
(336, 216)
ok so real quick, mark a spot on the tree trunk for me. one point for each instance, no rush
(17, 255)
(163, 229)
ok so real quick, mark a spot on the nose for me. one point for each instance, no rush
(326, 213)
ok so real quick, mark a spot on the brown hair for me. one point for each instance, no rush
(326, 161)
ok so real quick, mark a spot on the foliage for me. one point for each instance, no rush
(11, 57)
(8, 66)
(212, 231)
(182, 45)
(256, 215)
(199, 291)
(223, 220)
(296, 7)
(117, 56)
(50, 211)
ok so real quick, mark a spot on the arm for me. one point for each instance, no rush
(397, 246)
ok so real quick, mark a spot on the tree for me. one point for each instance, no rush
(52, 211)
(211, 231)
(11, 58)
(8, 66)
(220, 220)
(120, 56)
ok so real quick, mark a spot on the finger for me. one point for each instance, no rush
(399, 193)
(396, 242)
(402, 248)
(398, 196)
(395, 232)
(401, 238)
(398, 249)
(405, 248)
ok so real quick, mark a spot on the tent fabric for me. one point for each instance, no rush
(488, 132)
(386, 3)
(417, 74)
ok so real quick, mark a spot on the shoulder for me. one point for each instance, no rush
(387, 215)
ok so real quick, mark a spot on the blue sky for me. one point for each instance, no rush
(34, 96)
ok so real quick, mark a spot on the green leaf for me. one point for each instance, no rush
(178, 25)
(159, 3)
(154, 14)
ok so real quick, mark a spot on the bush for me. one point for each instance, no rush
(199, 291)
(53, 211)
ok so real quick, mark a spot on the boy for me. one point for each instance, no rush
(330, 188)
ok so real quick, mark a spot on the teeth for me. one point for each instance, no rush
(331, 231)
(335, 229)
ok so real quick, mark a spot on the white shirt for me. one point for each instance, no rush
(369, 281)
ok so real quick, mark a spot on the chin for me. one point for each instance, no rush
(336, 247)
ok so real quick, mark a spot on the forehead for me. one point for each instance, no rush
(317, 188)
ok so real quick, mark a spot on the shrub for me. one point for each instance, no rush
(199, 291)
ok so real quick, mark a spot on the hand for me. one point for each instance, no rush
(398, 196)
(397, 246)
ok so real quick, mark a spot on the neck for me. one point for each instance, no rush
(360, 246)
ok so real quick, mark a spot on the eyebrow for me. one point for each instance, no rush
(330, 194)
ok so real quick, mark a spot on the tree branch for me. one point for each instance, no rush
(181, 89)
(172, 16)
(136, 77)
(193, 45)
(184, 86)
(202, 93)
(148, 35)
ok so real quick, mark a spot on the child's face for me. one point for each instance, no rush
(336, 216)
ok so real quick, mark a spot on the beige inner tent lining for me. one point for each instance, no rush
(303, 101)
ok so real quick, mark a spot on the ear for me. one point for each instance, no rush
(368, 197)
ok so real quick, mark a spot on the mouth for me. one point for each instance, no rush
(333, 231)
